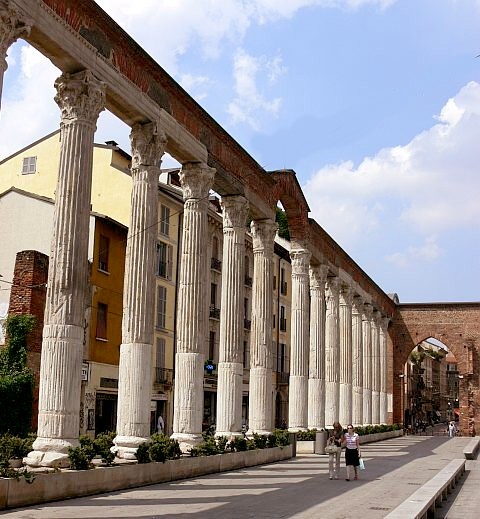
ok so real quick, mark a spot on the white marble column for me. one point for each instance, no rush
(261, 388)
(376, 368)
(367, 363)
(135, 373)
(332, 352)
(383, 370)
(316, 366)
(357, 362)
(230, 366)
(81, 98)
(192, 307)
(299, 340)
(345, 304)
(12, 27)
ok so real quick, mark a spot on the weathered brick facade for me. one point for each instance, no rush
(28, 297)
(457, 325)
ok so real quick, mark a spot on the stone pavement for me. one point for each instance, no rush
(294, 489)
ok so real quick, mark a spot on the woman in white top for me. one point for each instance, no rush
(352, 451)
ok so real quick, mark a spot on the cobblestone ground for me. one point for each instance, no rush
(298, 488)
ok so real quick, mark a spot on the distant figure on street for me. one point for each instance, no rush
(452, 430)
(352, 451)
(160, 424)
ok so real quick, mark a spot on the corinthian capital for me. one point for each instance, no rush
(318, 276)
(346, 295)
(300, 261)
(12, 27)
(196, 179)
(263, 234)
(80, 96)
(235, 210)
(332, 289)
(357, 307)
(148, 145)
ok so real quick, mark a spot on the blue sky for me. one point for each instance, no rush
(374, 103)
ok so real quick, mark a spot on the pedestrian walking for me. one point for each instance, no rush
(160, 424)
(352, 452)
(336, 438)
(452, 430)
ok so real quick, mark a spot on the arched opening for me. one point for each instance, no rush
(430, 389)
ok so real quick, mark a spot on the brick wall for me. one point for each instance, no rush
(28, 296)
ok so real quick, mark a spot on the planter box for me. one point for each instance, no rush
(305, 447)
(370, 438)
(75, 483)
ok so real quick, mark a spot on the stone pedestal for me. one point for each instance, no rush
(316, 373)
(81, 98)
(332, 353)
(230, 366)
(261, 390)
(134, 380)
(299, 343)
(192, 307)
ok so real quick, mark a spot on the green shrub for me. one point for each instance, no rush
(170, 447)
(80, 458)
(142, 454)
(16, 379)
(279, 438)
(238, 444)
(308, 435)
(103, 444)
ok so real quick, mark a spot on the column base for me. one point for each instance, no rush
(297, 429)
(187, 441)
(49, 452)
(125, 447)
(228, 434)
(250, 433)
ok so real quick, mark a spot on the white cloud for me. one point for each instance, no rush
(428, 185)
(28, 110)
(425, 253)
(250, 103)
(196, 86)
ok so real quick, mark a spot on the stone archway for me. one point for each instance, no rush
(457, 325)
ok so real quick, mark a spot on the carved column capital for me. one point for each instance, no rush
(80, 96)
(235, 210)
(357, 305)
(346, 295)
(300, 261)
(196, 179)
(332, 288)
(12, 27)
(263, 234)
(384, 323)
(148, 145)
(367, 312)
(318, 277)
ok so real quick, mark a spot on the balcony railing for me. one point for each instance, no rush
(247, 324)
(248, 281)
(216, 264)
(163, 376)
(214, 312)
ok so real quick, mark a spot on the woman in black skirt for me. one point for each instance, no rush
(352, 451)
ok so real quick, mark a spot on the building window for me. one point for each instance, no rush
(215, 264)
(29, 165)
(211, 346)
(161, 307)
(101, 330)
(274, 282)
(164, 260)
(283, 321)
(283, 283)
(103, 249)
(245, 354)
(160, 354)
(164, 220)
(282, 358)
(213, 295)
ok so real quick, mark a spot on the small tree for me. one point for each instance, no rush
(16, 379)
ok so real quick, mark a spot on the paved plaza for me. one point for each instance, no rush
(294, 489)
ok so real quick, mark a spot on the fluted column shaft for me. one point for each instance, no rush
(299, 341)
(367, 363)
(332, 352)
(12, 27)
(316, 366)
(192, 307)
(345, 303)
(134, 380)
(230, 366)
(376, 368)
(81, 98)
(261, 390)
(383, 370)
(357, 362)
